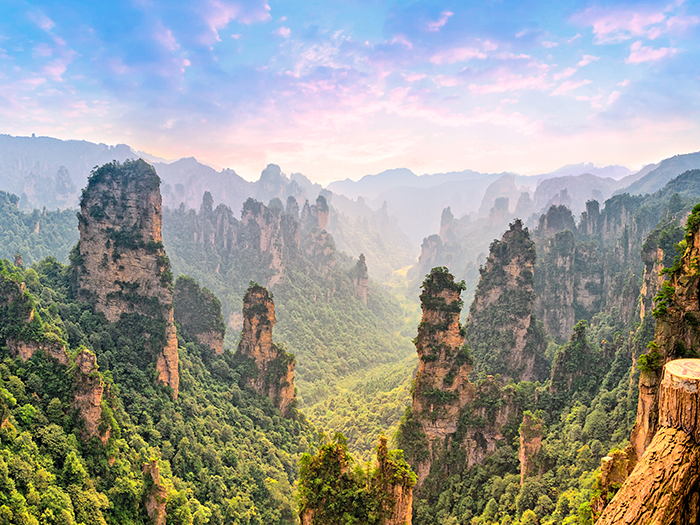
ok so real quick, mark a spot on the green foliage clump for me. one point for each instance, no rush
(196, 309)
(334, 493)
(651, 361)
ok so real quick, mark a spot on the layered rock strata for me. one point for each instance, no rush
(89, 393)
(274, 367)
(664, 487)
(677, 315)
(120, 262)
(502, 332)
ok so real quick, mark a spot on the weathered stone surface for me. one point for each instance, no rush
(398, 508)
(531, 432)
(157, 496)
(26, 349)
(361, 280)
(677, 331)
(88, 396)
(275, 367)
(503, 334)
(663, 487)
(121, 265)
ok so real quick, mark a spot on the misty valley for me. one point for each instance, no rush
(182, 346)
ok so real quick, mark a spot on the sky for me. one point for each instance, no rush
(337, 89)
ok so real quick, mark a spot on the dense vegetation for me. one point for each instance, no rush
(35, 235)
(225, 454)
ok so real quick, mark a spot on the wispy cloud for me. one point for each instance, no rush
(457, 54)
(282, 31)
(640, 53)
(436, 25)
(569, 86)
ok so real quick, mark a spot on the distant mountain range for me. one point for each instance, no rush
(46, 171)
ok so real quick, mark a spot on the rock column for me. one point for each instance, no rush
(664, 487)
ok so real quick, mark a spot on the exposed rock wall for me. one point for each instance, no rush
(503, 334)
(26, 349)
(361, 280)
(275, 367)
(89, 394)
(664, 487)
(121, 265)
(157, 495)
(443, 395)
(531, 433)
(677, 315)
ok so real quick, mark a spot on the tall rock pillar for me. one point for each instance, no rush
(120, 262)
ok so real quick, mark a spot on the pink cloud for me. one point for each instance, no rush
(587, 59)
(613, 97)
(165, 38)
(440, 22)
(219, 13)
(42, 50)
(618, 25)
(510, 82)
(457, 54)
(549, 44)
(42, 21)
(403, 40)
(640, 53)
(282, 31)
(413, 77)
(568, 86)
(55, 69)
(569, 71)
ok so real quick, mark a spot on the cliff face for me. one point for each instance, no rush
(502, 332)
(443, 397)
(89, 393)
(274, 375)
(531, 433)
(157, 496)
(664, 485)
(198, 313)
(361, 280)
(677, 334)
(120, 262)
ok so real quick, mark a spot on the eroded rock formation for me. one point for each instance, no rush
(157, 495)
(664, 487)
(677, 315)
(275, 367)
(502, 332)
(198, 313)
(531, 433)
(120, 262)
(443, 393)
(361, 280)
(89, 393)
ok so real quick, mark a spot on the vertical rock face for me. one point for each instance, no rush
(503, 334)
(121, 265)
(275, 367)
(677, 315)
(396, 485)
(361, 280)
(198, 313)
(316, 215)
(157, 496)
(531, 433)
(663, 488)
(443, 395)
(88, 395)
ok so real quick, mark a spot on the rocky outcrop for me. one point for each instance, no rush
(157, 496)
(198, 312)
(26, 349)
(89, 393)
(316, 215)
(677, 315)
(502, 332)
(330, 490)
(274, 375)
(663, 488)
(120, 261)
(361, 280)
(443, 395)
(531, 433)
